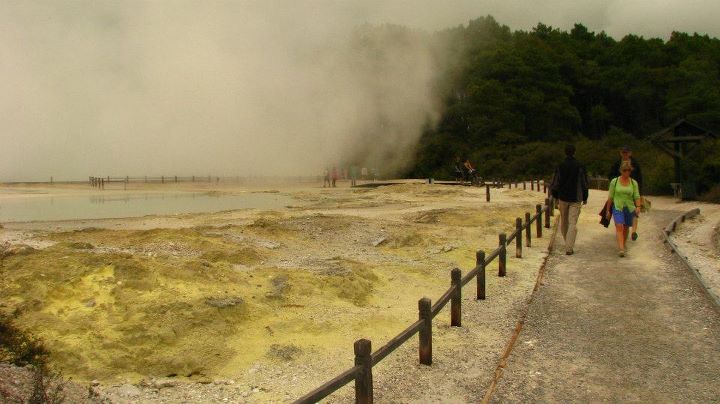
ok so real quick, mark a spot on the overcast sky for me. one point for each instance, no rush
(170, 87)
(650, 18)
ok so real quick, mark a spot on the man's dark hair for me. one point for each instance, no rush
(569, 150)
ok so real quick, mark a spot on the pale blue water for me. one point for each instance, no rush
(117, 205)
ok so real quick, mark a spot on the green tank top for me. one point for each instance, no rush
(624, 196)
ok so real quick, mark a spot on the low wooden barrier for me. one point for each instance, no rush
(361, 372)
(667, 231)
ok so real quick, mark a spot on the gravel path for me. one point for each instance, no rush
(604, 328)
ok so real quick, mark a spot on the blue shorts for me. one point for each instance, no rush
(624, 217)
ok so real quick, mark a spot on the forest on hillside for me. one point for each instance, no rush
(512, 99)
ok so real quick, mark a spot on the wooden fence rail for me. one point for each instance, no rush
(361, 373)
(100, 182)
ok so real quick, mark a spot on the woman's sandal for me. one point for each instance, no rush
(634, 236)
(621, 253)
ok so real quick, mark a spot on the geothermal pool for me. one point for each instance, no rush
(38, 207)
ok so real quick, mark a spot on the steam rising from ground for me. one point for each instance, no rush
(151, 88)
(246, 87)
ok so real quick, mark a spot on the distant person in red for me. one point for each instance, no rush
(334, 176)
(471, 172)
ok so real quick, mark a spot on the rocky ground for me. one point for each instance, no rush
(263, 306)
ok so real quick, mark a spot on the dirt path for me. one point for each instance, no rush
(604, 328)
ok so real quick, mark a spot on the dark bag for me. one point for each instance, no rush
(604, 219)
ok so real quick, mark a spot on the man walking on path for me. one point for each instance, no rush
(636, 174)
(570, 188)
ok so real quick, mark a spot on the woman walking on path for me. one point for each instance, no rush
(636, 174)
(624, 200)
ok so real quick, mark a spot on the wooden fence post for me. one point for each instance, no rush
(425, 347)
(547, 213)
(544, 187)
(162, 179)
(456, 300)
(532, 185)
(363, 379)
(538, 222)
(176, 179)
(503, 254)
(518, 237)
(528, 230)
(193, 178)
(487, 192)
(524, 185)
(480, 264)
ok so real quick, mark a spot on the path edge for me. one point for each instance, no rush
(518, 328)
(667, 232)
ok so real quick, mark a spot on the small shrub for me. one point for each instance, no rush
(19, 348)
(47, 388)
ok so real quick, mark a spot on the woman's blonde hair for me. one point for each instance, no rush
(625, 165)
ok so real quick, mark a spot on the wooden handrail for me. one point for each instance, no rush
(330, 387)
(470, 275)
(442, 301)
(396, 342)
(490, 258)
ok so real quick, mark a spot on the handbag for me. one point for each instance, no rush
(604, 220)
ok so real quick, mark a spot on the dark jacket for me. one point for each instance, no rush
(570, 183)
(636, 173)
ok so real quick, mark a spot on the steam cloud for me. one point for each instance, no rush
(246, 87)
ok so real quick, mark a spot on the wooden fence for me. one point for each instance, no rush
(365, 359)
(101, 182)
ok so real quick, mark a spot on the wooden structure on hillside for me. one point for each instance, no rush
(680, 140)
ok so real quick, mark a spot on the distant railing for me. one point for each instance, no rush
(101, 182)
(365, 359)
